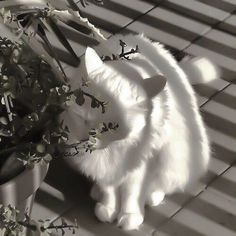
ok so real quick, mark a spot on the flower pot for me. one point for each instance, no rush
(20, 190)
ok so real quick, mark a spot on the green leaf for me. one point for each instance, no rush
(80, 100)
(61, 37)
(39, 50)
(48, 45)
(94, 103)
(3, 120)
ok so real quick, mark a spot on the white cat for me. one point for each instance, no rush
(161, 144)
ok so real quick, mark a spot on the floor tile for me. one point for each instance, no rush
(168, 27)
(62, 189)
(71, 71)
(227, 97)
(225, 5)
(49, 203)
(115, 14)
(222, 139)
(205, 91)
(220, 113)
(156, 216)
(208, 214)
(231, 91)
(219, 116)
(59, 4)
(159, 215)
(197, 10)
(220, 47)
(220, 199)
(229, 25)
(226, 185)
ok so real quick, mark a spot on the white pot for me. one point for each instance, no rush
(20, 190)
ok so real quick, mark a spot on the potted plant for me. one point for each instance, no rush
(31, 100)
(33, 93)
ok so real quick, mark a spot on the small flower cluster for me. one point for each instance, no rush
(11, 225)
(89, 144)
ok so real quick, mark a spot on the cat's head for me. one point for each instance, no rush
(121, 86)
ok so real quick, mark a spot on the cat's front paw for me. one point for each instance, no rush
(155, 198)
(105, 213)
(130, 221)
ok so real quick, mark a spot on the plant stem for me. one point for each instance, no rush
(102, 104)
(59, 227)
(132, 51)
(27, 225)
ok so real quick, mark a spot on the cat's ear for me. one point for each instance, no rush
(154, 85)
(92, 60)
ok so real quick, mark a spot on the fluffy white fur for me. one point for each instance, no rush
(161, 145)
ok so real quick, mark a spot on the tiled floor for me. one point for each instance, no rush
(199, 27)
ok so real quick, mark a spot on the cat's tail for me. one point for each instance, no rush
(200, 70)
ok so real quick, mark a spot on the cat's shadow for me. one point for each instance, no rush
(76, 191)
